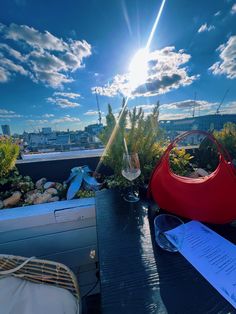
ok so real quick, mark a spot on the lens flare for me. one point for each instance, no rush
(138, 69)
(138, 74)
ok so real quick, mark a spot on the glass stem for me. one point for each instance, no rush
(132, 188)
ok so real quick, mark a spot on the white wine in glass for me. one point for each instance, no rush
(131, 171)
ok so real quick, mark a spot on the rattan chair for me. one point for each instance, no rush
(39, 271)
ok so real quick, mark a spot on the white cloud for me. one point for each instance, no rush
(63, 102)
(5, 111)
(67, 95)
(48, 115)
(206, 28)
(33, 37)
(146, 107)
(184, 109)
(66, 118)
(9, 114)
(48, 59)
(10, 66)
(4, 75)
(233, 9)
(91, 113)
(217, 13)
(166, 72)
(229, 108)
(172, 116)
(189, 104)
(12, 52)
(36, 122)
(227, 63)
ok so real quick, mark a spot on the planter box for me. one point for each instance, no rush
(63, 231)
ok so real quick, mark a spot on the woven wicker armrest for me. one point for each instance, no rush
(39, 271)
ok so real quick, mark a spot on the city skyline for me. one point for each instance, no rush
(50, 66)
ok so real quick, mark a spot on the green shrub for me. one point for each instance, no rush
(9, 152)
(144, 136)
(208, 152)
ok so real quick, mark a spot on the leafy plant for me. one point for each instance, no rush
(208, 153)
(143, 135)
(80, 176)
(15, 182)
(9, 152)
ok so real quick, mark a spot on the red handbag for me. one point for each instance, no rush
(209, 199)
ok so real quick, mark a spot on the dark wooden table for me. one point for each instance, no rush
(139, 277)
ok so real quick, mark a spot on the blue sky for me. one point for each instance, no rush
(54, 54)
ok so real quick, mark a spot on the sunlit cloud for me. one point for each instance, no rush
(206, 28)
(44, 57)
(37, 122)
(66, 118)
(11, 52)
(186, 109)
(188, 104)
(233, 9)
(166, 71)
(67, 95)
(217, 13)
(227, 63)
(48, 115)
(9, 114)
(146, 107)
(62, 102)
(91, 113)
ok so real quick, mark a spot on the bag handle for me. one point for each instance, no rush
(223, 152)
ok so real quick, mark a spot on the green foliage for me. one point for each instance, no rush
(208, 152)
(144, 136)
(85, 194)
(227, 138)
(9, 152)
(180, 162)
(15, 182)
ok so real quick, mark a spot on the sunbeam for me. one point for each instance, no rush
(138, 71)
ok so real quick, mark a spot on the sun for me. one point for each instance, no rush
(138, 69)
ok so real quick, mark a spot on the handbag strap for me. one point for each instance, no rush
(223, 152)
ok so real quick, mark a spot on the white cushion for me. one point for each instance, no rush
(18, 296)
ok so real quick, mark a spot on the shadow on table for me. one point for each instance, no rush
(183, 290)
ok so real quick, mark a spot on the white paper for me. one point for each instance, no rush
(212, 255)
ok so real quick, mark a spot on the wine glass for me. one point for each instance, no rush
(131, 170)
(164, 224)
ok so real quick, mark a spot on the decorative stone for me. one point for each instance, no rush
(48, 185)
(12, 200)
(59, 186)
(43, 198)
(51, 191)
(54, 199)
(201, 172)
(39, 184)
(1, 204)
(31, 196)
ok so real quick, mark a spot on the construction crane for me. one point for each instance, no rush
(98, 107)
(223, 98)
(194, 104)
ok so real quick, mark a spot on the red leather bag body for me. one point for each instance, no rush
(209, 199)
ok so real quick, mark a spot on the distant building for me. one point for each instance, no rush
(6, 130)
(94, 129)
(203, 123)
(46, 130)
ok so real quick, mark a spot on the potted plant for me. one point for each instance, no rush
(143, 135)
